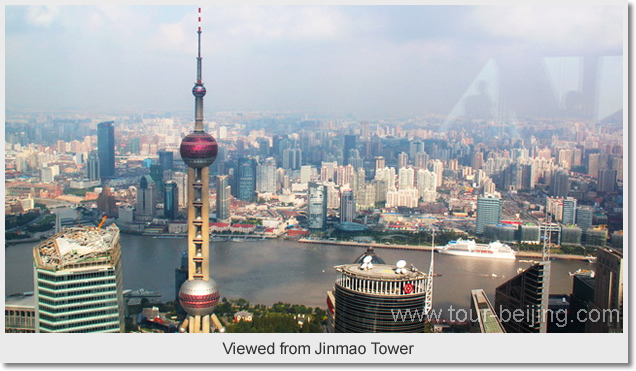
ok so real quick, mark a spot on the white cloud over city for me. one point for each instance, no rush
(376, 59)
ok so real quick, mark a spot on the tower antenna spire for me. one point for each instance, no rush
(199, 50)
(198, 90)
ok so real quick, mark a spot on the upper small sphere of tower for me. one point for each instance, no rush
(198, 149)
(198, 90)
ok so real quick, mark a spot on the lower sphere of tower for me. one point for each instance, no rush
(198, 149)
(198, 297)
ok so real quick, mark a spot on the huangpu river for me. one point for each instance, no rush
(268, 271)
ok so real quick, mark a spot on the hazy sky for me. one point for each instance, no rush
(351, 59)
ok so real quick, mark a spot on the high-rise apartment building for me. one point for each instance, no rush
(560, 183)
(78, 281)
(607, 180)
(406, 178)
(106, 149)
(266, 176)
(489, 208)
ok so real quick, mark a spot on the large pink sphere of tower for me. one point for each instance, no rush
(199, 297)
(199, 149)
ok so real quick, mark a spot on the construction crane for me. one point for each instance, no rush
(101, 223)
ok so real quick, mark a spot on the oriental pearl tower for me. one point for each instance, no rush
(200, 294)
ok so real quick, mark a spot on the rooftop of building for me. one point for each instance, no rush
(25, 300)
(386, 272)
(488, 318)
(78, 247)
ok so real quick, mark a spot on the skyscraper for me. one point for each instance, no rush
(92, 166)
(317, 206)
(223, 192)
(608, 292)
(368, 295)
(349, 144)
(200, 294)
(246, 179)
(78, 281)
(584, 217)
(106, 149)
(146, 199)
(171, 200)
(606, 180)
(266, 176)
(166, 159)
(560, 183)
(488, 211)
(347, 207)
(526, 293)
(569, 210)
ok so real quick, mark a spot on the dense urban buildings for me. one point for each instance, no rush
(336, 178)
(78, 281)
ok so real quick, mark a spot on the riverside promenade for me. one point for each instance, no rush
(520, 254)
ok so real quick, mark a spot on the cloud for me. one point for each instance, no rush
(555, 28)
(42, 15)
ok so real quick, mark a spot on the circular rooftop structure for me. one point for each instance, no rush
(375, 259)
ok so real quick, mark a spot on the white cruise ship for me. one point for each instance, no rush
(493, 250)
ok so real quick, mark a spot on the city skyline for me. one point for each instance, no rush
(362, 60)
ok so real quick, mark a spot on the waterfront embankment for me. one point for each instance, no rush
(520, 254)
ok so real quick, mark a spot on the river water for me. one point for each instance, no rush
(269, 271)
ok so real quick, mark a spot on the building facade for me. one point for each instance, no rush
(488, 211)
(92, 166)
(223, 194)
(78, 281)
(317, 206)
(106, 149)
(171, 200)
(608, 293)
(527, 293)
(368, 297)
(246, 179)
